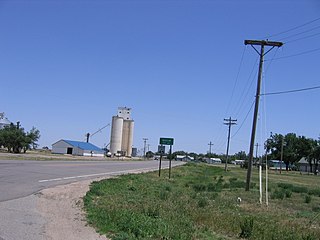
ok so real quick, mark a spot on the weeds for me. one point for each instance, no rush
(199, 204)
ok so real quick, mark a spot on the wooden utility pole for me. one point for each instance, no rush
(228, 122)
(261, 43)
(210, 144)
(281, 157)
(144, 148)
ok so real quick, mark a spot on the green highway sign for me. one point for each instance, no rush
(166, 141)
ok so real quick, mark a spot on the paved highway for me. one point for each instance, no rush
(20, 178)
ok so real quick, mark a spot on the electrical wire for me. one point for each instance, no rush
(237, 77)
(297, 34)
(244, 120)
(295, 55)
(290, 91)
(298, 39)
(294, 28)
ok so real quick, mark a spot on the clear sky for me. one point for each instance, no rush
(182, 66)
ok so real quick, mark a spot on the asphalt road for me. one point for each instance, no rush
(20, 178)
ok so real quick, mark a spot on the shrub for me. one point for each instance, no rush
(246, 227)
(210, 187)
(199, 187)
(163, 195)
(285, 185)
(202, 202)
(288, 193)
(307, 199)
(299, 189)
(278, 194)
(309, 236)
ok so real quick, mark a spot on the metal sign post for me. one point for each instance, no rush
(170, 161)
(165, 141)
(161, 150)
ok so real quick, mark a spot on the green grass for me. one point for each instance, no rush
(200, 202)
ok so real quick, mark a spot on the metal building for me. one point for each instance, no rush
(122, 133)
(4, 121)
(76, 148)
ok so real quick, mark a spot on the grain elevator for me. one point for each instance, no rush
(122, 133)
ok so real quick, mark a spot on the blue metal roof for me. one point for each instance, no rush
(84, 145)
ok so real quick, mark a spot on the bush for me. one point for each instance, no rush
(278, 194)
(246, 227)
(288, 193)
(199, 187)
(299, 189)
(307, 199)
(202, 202)
(285, 185)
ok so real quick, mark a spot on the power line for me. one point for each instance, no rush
(294, 28)
(297, 34)
(298, 39)
(237, 77)
(291, 91)
(244, 120)
(295, 55)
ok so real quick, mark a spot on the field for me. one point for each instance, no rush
(201, 202)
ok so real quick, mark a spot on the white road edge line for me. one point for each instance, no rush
(97, 174)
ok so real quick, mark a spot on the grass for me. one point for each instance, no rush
(200, 202)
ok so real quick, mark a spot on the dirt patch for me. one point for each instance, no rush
(62, 207)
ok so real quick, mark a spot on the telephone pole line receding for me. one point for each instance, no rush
(261, 43)
(145, 145)
(228, 122)
(210, 144)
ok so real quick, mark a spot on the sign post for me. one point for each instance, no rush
(161, 150)
(165, 141)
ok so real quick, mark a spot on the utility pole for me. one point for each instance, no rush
(210, 144)
(144, 148)
(281, 158)
(257, 147)
(228, 122)
(261, 43)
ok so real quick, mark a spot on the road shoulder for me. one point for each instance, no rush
(62, 207)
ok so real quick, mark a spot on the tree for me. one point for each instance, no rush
(314, 157)
(15, 139)
(149, 154)
(241, 155)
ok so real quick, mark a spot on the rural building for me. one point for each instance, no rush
(213, 160)
(4, 121)
(184, 158)
(304, 165)
(76, 148)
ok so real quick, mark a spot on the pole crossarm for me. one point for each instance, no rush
(263, 42)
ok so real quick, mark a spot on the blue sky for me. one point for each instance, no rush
(182, 66)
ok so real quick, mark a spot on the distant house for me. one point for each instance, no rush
(238, 162)
(304, 166)
(184, 158)
(76, 148)
(213, 160)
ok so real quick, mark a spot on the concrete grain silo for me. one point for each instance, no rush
(127, 137)
(122, 132)
(116, 134)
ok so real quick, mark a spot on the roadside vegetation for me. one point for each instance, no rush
(204, 202)
(16, 140)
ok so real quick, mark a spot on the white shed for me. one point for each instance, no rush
(76, 148)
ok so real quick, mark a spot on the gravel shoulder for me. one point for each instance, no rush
(62, 208)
